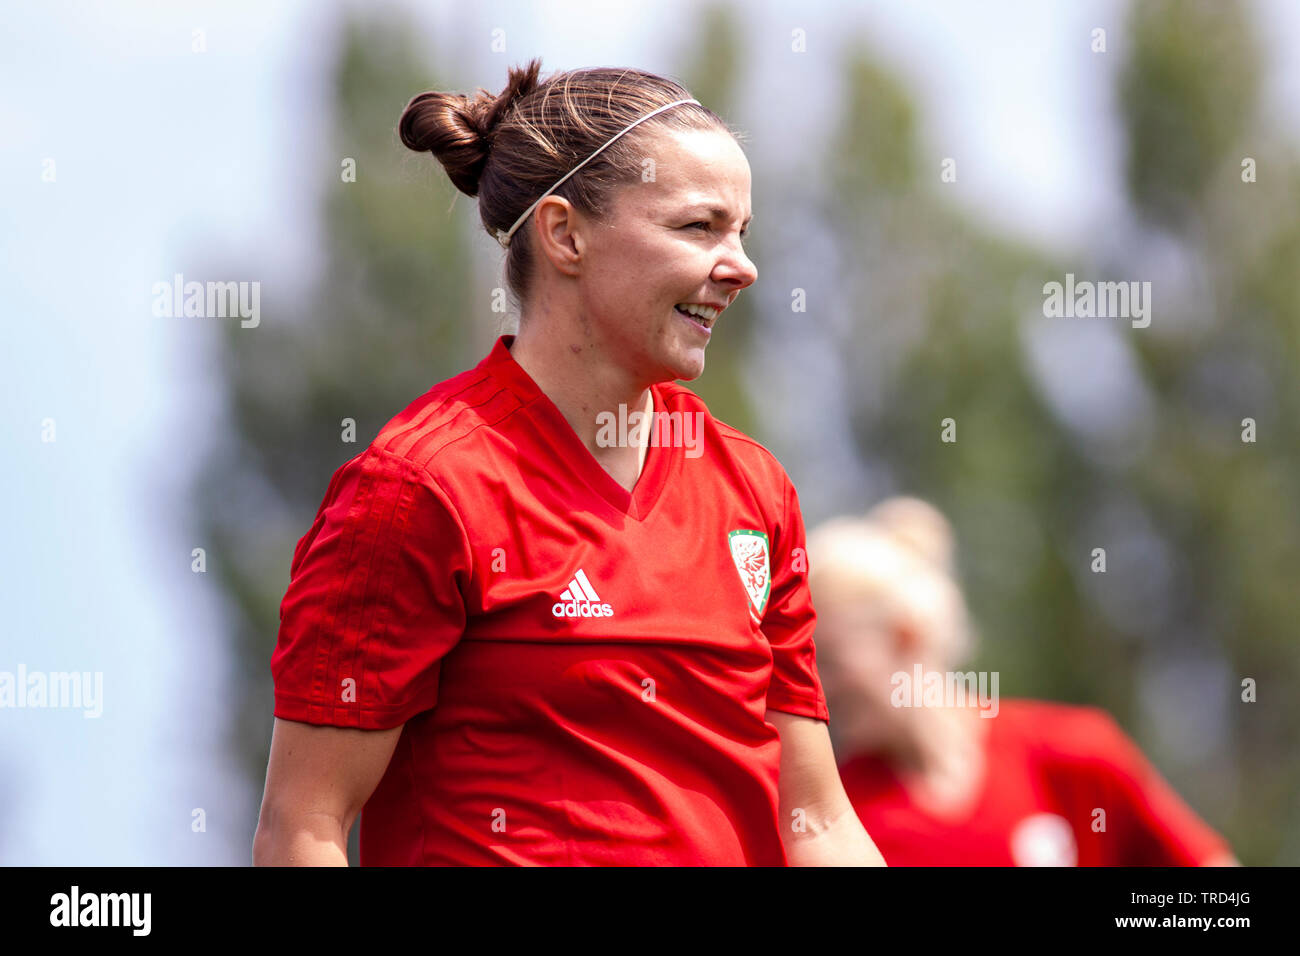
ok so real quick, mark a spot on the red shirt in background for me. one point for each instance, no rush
(583, 673)
(1048, 768)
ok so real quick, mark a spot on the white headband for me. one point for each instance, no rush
(504, 237)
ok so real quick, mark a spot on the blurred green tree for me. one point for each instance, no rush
(1191, 105)
(1201, 588)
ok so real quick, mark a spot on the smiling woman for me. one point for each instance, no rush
(507, 639)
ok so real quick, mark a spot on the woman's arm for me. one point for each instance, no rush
(819, 826)
(317, 781)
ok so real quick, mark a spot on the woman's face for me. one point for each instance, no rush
(673, 239)
(860, 647)
(855, 656)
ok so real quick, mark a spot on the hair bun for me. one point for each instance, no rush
(918, 525)
(458, 129)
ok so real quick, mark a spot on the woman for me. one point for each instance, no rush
(997, 783)
(514, 635)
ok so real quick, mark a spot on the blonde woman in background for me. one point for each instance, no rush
(990, 783)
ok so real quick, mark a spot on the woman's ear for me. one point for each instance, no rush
(907, 641)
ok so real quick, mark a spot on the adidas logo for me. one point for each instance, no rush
(580, 600)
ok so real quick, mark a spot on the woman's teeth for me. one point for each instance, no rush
(703, 314)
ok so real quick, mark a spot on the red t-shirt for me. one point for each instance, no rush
(1049, 769)
(583, 673)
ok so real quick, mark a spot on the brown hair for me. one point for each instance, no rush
(508, 149)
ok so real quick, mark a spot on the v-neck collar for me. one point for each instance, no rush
(570, 449)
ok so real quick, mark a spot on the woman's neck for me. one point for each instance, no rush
(937, 753)
(941, 762)
(582, 389)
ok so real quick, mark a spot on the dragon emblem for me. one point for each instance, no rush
(749, 551)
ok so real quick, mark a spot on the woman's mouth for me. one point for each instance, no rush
(702, 319)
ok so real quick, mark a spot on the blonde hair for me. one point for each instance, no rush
(896, 562)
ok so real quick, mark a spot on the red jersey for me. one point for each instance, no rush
(582, 672)
(1049, 768)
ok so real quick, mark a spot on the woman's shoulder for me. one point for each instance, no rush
(733, 442)
(445, 424)
(1061, 731)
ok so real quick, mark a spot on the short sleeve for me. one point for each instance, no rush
(375, 599)
(1154, 825)
(789, 619)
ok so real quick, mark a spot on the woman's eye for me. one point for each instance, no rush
(743, 233)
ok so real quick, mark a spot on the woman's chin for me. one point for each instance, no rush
(691, 374)
(688, 363)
